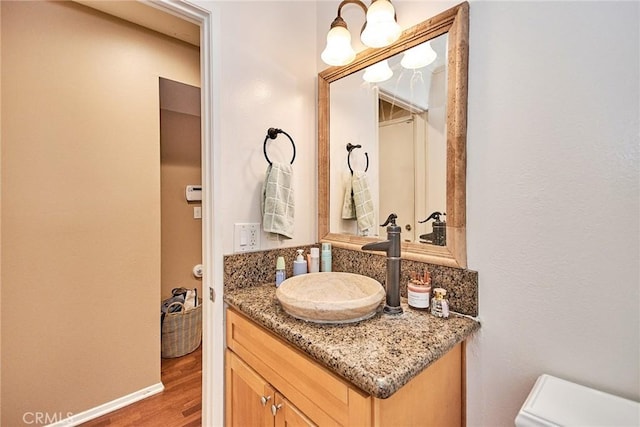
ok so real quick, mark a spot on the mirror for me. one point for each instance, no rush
(427, 177)
(396, 115)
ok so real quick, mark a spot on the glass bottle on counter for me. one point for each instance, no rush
(439, 304)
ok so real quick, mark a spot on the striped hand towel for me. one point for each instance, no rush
(277, 200)
(362, 200)
(348, 208)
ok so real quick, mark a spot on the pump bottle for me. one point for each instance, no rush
(314, 260)
(300, 264)
(280, 272)
(325, 258)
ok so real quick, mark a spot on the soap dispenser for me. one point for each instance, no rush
(300, 264)
(314, 260)
(439, 234)
(281, 275)
(325, 258)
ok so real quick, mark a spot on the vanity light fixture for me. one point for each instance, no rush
(380, 29)
(419, 56)
(378, 72)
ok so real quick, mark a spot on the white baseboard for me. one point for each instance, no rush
(105, 408)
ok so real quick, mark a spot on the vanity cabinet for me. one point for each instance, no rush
(254, 402)
(267, 376)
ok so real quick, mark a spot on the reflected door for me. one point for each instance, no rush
(397, 185)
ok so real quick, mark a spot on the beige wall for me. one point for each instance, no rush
(80, 264)
(181, 233)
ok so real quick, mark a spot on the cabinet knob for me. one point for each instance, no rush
(264, 400)
(274, 408)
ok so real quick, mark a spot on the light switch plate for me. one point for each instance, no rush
(246, 237)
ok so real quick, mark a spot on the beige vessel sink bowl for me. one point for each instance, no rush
(330, 297)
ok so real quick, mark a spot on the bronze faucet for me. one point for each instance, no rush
(392, 247)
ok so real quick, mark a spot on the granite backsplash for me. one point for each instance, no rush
(253, 268)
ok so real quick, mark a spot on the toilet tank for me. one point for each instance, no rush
(557, 402)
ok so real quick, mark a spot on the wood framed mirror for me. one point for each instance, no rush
(454, 23)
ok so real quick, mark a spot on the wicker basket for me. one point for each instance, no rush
(181, 331)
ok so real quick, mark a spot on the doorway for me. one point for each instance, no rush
(212, 281)
(180, 187)
(396, 146)
(181, 236)
(212, 254)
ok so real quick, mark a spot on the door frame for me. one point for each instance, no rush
(212, 258)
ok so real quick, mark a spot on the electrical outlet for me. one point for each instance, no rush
(246, 237)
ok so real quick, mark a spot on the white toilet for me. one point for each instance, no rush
(557, 402)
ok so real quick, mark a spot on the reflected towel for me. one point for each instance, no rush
(348, 207)
(277, 200)
(362, 200)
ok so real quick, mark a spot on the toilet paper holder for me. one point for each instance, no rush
(198, 271)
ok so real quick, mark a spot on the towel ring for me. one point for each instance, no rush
(272, 133)
(350, 148)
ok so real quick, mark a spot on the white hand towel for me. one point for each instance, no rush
(277, 200)
(362, 200)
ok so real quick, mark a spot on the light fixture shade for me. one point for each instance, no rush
(381, 28)
(377, 72)
(338, 50)
(419, 56)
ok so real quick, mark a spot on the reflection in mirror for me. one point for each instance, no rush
(408, 114)
(412, 138)
(398, 114)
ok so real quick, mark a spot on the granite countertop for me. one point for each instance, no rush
(378, 355)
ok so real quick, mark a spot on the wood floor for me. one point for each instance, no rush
(179, 405)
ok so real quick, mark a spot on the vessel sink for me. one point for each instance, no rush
(330, 297)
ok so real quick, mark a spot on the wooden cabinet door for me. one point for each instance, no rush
(248, 396)
(288, 415)
(321, 395)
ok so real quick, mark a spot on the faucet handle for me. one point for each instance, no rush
(391, 219)
(434, 216)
